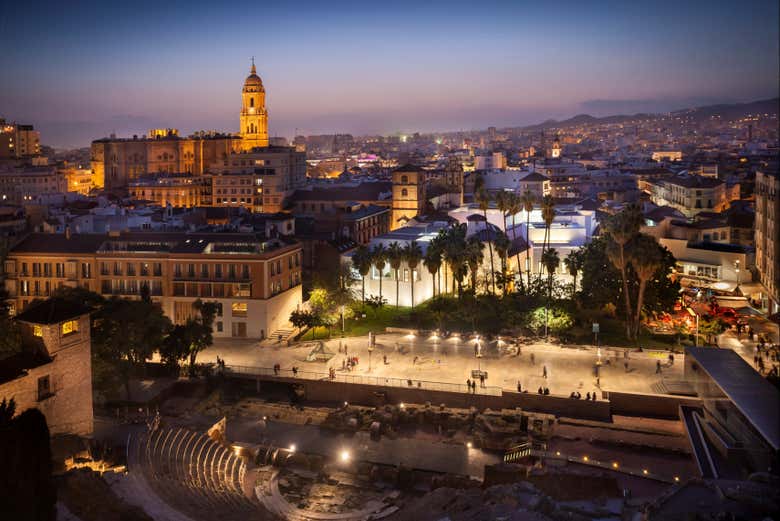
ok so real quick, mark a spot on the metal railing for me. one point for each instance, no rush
(409, 383)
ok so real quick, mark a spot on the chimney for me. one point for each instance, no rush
(67, 231)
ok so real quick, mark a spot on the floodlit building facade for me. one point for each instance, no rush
(767, 236)
(255, 280)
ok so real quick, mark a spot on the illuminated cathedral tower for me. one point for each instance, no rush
(254, 117)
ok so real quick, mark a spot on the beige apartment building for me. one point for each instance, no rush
(256, 281)
(17, 141)
(767, 194)
(692, 194)
(20, 185)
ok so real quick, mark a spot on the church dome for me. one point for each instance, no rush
(253, 80)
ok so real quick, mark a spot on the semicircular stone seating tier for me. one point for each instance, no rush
(194, 475)
(271, 497)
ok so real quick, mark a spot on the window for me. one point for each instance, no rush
(218, 271)
(37, 330)
(190, 270)
(204, 271)
(71, 326)
(44, 387)
(245, 271)
(219, 327)
(144, 269)
(130, 269)
(238, 309)
(404, 192)
(404, 179)
(86, 270)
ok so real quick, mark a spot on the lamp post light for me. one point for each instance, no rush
(736, 268)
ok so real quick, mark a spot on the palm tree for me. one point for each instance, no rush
(454, 246)
(484, 203)
(413, 254)
(379, 256)
(361, 260)
(528, 200)
(432, 261)
(645, 259)
(502, 249)
(474, 254)
(395, 255)
(621, 228)
(548, 215)
(573, 262)
(550, 261)
(515, 205)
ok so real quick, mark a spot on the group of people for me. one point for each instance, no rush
(472, 384)
(578, 396)
(541, 390)
(766, 353)
(348, 363)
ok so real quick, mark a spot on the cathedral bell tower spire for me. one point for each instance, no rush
(254, 117)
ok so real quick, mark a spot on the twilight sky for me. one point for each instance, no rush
(80, 70)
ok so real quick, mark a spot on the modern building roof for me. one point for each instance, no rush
(756, 398)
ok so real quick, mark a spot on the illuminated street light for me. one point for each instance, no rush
(292, 447)
(469, 445)
(344, 456)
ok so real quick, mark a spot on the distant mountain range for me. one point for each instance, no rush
(727, 112)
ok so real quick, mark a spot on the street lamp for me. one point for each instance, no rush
(694, 314)
(736, 268)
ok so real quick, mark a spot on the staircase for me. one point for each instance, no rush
(285, 333)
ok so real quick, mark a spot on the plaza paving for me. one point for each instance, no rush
(452, 360)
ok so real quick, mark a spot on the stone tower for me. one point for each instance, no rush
(254, 117)
(408, 195)
(556, 148)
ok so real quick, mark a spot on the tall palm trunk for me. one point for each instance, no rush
(528, 247)
(396, 288)
(627, 298)
(639, 304)
(363, 278)
(490, 247)
(517, 255)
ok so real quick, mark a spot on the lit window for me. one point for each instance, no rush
(37, 330)
(239, 309)
(71, 326)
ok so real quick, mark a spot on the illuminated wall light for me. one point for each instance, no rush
(644, 471)
(344, 456)
(292, 447)
(615, 465)
(584, 458)
(469, 444)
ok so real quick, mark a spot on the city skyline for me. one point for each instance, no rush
(378, 71)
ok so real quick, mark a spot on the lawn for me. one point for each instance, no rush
(376, 320)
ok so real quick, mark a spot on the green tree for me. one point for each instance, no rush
(361, 260)
(413, 255)
(474, 254)
(126, 333)
(548, 215)
(645, 259)
(379, 258)
(502, 245)
(528, 200)
(27, 490)
(432, 260)
(551, 262)
(454, 252)
(573, 262)
(621, 228)
(555, 319)
(395, 256)
(483, 198)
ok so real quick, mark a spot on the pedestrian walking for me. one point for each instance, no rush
(384, 358)
(587, 396)
(295, 371)
(533, 359)
(625, 364)
(482, 380)
(519, 387)
(544, 371)
(540, 391)
(657, 366)
(468, 384)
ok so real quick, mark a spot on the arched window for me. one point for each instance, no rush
(404, 179)
(404, 192)
(251, 102)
